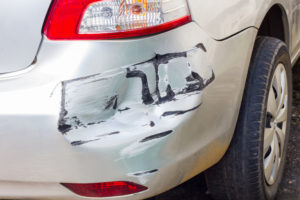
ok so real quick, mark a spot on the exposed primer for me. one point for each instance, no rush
(68, 122)
(179, 112)
(145, 172)
(136, 97)
(156, 136)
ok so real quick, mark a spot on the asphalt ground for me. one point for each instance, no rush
(195, 189)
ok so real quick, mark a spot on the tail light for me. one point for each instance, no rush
(108, 19)
(108, 189)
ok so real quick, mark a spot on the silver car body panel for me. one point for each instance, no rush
(20, 32)
(127, 145)
(23, 34)
(111, 110)
(230, 17)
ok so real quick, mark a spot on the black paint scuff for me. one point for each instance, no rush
(194, 83)
(197, 85)
(123, 109)
(93, 123)
(156, 136)
(112, 102)
(107, 134)
(179, 112)
(152, 124)
(63, 127)
(81, 142)
(145, 172)
(146, 96)
(201, 46)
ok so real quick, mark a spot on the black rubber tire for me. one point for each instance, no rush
(240, 173)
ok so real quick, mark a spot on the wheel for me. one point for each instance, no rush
(252, 167)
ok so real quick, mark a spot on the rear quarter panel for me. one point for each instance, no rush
(21, 25)
(221, 19)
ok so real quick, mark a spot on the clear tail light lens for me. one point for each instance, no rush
(108, 19)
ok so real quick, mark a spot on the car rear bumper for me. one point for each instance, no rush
(155, 111)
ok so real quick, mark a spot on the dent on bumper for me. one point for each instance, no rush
(143, 98)
(146, 118)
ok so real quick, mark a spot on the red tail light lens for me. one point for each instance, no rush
(108, 189)
(109, 19)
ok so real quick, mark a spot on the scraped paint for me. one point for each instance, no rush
(135, 100)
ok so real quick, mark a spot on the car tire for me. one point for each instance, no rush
(252, 168)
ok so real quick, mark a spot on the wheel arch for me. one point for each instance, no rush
(275, 23)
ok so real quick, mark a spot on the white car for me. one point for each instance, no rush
(126, 99)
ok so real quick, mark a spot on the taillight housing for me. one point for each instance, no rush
(107, 189)
(109, 19)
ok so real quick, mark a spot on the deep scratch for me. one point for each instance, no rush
(194, 84)
(156, 136)
(107, 134)
(145, 172)
(63, 127)
(146, 96)
(81, 142)
(124, 109)
(201, 46)
(112, 102)
(179, 112)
